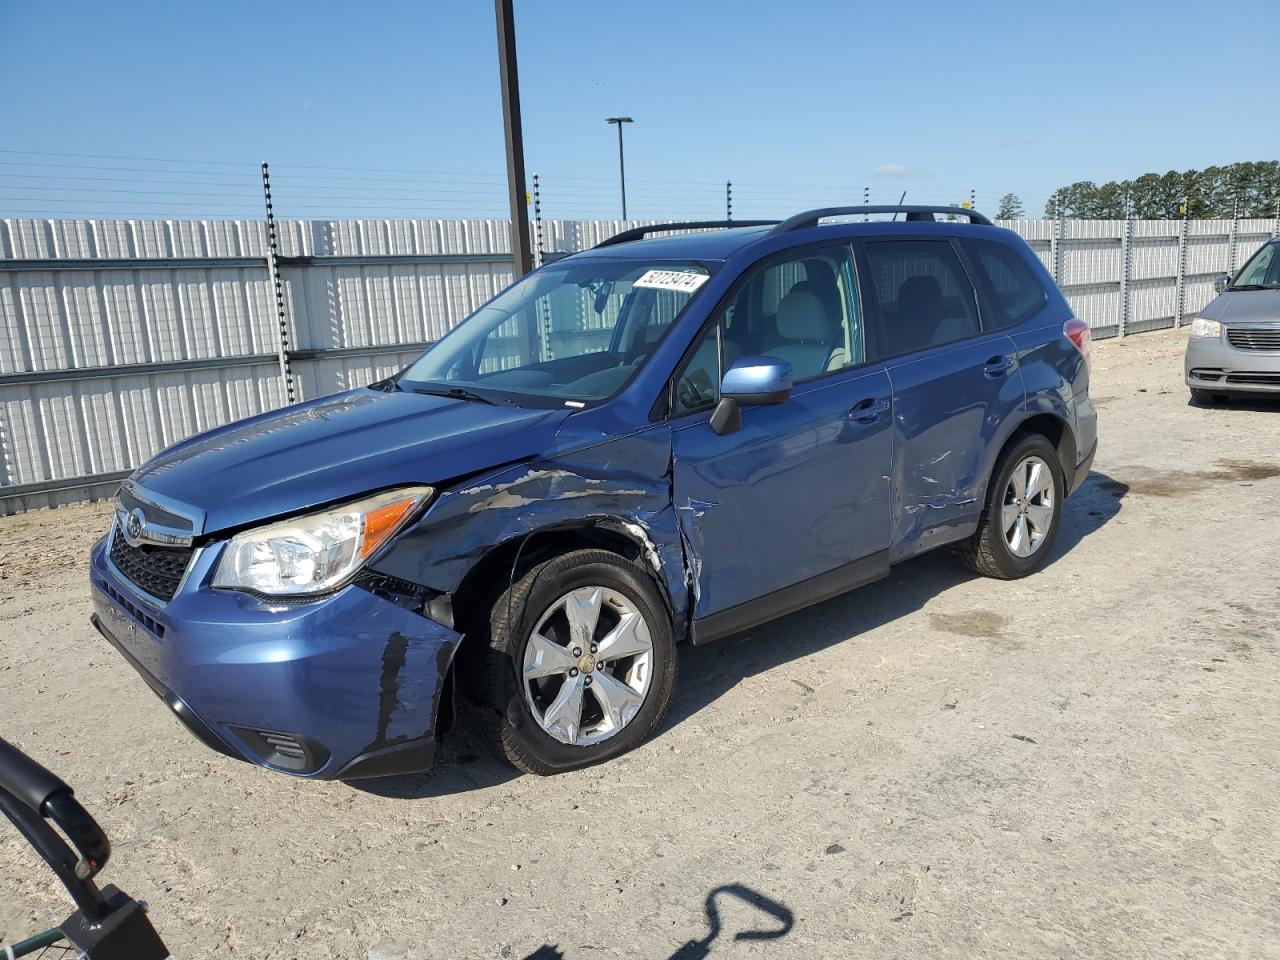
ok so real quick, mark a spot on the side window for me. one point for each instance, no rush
(803, 309)
(698, 385)
(1013, 292)
(925, 296)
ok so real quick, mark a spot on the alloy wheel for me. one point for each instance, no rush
(587, 666)
(1026, 514)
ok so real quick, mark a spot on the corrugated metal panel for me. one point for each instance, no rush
(216, 323)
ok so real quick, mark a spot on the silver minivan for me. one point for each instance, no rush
(1234, 346)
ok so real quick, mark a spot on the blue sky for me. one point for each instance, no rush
(393, 109)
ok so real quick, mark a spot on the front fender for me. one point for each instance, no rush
(623, 482)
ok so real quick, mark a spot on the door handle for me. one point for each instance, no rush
(868, 410)
(997, 366)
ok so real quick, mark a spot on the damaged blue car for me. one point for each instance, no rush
(664, 439)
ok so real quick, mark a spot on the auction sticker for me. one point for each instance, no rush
(672, 280)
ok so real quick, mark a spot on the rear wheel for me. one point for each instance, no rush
(1023, 510)
(1206, 399)
(580, 663)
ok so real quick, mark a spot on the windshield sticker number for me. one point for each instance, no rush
(671, 280)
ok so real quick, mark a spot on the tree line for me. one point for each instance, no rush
(1238, 189)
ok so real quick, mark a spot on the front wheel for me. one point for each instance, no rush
(580, 663)
(1022, 513)
(1204, 398)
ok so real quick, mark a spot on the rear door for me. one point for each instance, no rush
(954, 383)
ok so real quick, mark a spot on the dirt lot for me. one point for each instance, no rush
(1082, 764)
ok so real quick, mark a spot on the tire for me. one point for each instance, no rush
(989, 551)
(1206, 399)
(507, 721)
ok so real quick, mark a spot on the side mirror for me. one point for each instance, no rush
(1220, 283)
(752, 381)
(757, 380)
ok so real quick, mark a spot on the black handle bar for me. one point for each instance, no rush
(30, 795)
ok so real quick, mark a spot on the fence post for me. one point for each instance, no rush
(1180, 297)
(1275, 231)
(273, 271)
(866, 202)
(1231, 239)
(537, 220)
(1126, 276)
(728, 199)
(1055, 246)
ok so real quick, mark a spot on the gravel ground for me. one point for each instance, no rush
(1081, 764)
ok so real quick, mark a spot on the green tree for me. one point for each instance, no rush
(1010, 207)
(1239, 189)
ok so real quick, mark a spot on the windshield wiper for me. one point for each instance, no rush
(456, 393)
(1252, 286)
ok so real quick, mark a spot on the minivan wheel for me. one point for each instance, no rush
(1023, 511)
(580, 663)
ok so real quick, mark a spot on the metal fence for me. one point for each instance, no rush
(118, 338)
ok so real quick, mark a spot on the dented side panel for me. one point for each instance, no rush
(624, 483)
(949, 417)
(800, 490)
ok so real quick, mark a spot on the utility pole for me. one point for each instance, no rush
(622, 168)
(522, 261)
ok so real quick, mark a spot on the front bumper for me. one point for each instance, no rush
(1215, 366)
(342, 687)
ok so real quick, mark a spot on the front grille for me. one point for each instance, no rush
(122, 601)
(154, 570)
(1262, 378)
(1254, 338)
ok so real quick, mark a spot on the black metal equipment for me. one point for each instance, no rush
(639, 233)
(109, 925)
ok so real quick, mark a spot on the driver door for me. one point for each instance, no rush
(792, 507)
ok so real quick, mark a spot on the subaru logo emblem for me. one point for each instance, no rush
(135, 524)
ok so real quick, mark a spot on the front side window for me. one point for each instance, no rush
(570, 333)
(1013, 292)
(925, 296)
(801, 308)
(1262, 270)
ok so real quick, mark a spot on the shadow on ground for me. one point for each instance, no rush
(706, 673)
(776, 924)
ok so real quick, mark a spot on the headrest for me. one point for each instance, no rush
(801, 317)
(921, 294)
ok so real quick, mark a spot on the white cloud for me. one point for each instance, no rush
(895, 171)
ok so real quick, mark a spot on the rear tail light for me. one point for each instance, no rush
(1077, 331)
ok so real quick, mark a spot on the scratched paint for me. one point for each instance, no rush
(623, 483)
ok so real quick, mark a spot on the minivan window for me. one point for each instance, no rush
(572, 332)
(1262, 270)
(1012, 291)
(925, 296)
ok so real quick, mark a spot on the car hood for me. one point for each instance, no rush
(337, 448)
(1245, 306)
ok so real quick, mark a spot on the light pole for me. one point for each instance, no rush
(522, 259)
(622, 168)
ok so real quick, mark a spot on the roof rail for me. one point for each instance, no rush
(639, 233)
(810, 218)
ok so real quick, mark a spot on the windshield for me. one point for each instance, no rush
(569, 334)
(1262, 272)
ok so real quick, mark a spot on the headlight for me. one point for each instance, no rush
(317, 552)
(1202, 327)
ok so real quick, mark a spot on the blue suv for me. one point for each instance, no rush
(659, 440)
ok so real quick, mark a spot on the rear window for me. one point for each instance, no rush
(1011, 291)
